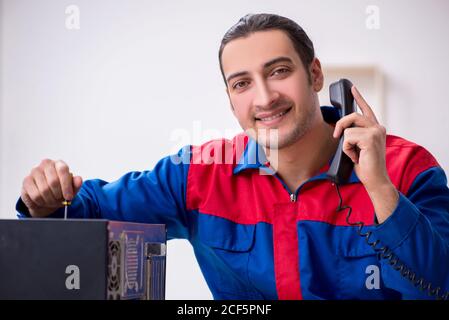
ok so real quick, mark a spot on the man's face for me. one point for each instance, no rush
(269, 88)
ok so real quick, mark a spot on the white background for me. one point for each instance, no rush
(108, 97)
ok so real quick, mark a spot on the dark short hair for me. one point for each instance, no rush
(251, 23)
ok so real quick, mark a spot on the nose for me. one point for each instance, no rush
(265, 96)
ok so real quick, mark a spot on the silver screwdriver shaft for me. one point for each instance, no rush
(66, 204)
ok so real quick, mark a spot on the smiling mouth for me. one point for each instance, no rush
(280, 114)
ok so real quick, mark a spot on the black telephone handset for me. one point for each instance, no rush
(341, 98)
(340, 171)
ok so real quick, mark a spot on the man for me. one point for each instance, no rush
(280, 235)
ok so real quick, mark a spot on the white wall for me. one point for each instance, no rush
(106, 98)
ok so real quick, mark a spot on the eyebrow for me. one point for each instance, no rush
(266, 65)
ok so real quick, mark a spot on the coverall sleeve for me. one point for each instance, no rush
(417, 232)
(156, 196)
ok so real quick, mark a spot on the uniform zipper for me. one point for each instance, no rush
(292, 197)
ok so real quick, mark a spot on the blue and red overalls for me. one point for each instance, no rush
(256, 239)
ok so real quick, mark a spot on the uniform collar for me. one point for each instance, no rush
(254, 157)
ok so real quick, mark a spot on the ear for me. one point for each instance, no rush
(316, 74)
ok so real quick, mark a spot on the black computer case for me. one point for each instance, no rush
(81, 259)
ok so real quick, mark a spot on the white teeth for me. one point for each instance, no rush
(275, 116)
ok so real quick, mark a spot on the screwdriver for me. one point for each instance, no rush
(66, 204)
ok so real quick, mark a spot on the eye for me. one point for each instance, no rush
(239, 84)
(280, 71)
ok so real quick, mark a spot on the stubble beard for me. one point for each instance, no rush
(271, 139)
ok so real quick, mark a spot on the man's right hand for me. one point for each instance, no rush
(47, 186)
